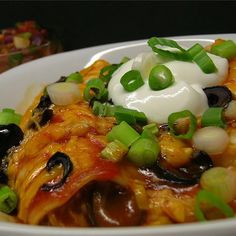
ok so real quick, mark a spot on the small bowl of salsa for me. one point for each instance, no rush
(24, 42)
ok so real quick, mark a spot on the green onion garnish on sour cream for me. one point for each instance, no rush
(195, 54)
(160, 77)
(189, 72)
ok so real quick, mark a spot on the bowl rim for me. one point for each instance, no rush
(178, 229)
(219, 226)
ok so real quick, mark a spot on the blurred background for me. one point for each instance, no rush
(80, 24)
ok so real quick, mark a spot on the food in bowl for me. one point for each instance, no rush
(89, 153)
(25, 42)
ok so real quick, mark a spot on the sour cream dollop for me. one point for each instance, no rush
(186, 93)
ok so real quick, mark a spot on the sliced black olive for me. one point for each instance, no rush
(41, 118)
(10, 136)
(165, 171)
(200, 162)
(45, 102)
(218, 96)
(45, 117)
(57, 159)
(187, 175)
(62, 79)
(114, 205)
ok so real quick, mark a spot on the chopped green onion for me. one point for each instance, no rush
(152, 42)
(144, 152)
(63, 93)
(213, 117)
(204, 196)
(160, 77)
(201, 58)
(98, 108)
(114, 151)
(226, 49)
(97, 87)
(8, 199)
(131, 80)
(173, 119)
(181, 55)
(75, 78)
(196, 53)
(124, 133)
(8, 116)
(147, 134)
(150, 131)
(213, 140)
(9, 110)
(107, 71)
(104, 95)
(124, 60)
(121, 114)
(152, 127)
(110, 110)
(221, 182)
(103, 109)
(129, 115)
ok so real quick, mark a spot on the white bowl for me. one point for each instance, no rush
(18, 87)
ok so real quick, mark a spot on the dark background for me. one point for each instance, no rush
(81, 24)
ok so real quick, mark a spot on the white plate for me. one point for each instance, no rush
(19, 86)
